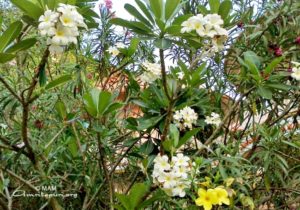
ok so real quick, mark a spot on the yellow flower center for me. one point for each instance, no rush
(67, 20)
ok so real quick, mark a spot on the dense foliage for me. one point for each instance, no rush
(183, 105)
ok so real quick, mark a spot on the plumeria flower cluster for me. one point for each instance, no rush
(172, 175)
(185, 118)
(205, 26)
(213, 119)
(152, 72)
(296, 70)
(61, 27)
(115, 49)
(208, 198)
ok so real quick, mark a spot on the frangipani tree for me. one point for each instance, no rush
(194, 106)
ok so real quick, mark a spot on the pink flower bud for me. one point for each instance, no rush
(297, 40)
(278, 52)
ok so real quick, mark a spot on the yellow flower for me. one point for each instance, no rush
(206, 198)
(222, 196)
(229, 181)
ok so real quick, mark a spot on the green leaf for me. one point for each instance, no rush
(145, 10)
(225, 8)
(252, 57)
(272, 65)
(145, 123)
(72, 146)
(90, 106)
(214, 6)
(11, 33)
(112, 107)
(147, 147)
(5, 57)
(278, 86)
(137, 27)
(264, 92)
(133, 46)
(105, 98)
(134, 12)
(31, 9)
(187, 136)
(42, 77)
(22, 45)
(1, 20)
(163, 43)
(59, 81)
(174, 134)
(171, 8)
(157, 8)
(124, 200)
(137, 193)
(60, 107)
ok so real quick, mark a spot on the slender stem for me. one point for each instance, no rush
(105, 170)
(2, 80)
(163, 73)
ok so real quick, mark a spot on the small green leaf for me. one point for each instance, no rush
(147, 147)
(133, 46)
(61, 109)
(163, 43)
(225, 8)
(29, 8)
(174, 134)
(72, 146)
(187, 136)
(105, 98)
(5, 57)
(157, 8)
(171, 7)
(272, 65)
(42, 76)
(137, 193)
(252, 57)
(134, 12)
(11, 33)
(145, 10)
(22, 45)
(59, 81)
(264, 92)
(214, 5)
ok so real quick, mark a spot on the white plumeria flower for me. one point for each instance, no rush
(61, 28)
(173, 178)
(296, 71)
(213, 119)
(180, 75)
(47, 22)
(185, 118)
(208, 26)
(120, 45)
(62, 35)
(214, 19)
(181, 172)
(114, 51)
(162, 163)
(68, 19)
(169, 179)
(152, 72)
(187, 26)
(180, 160)
(179, 189)
(65, 8)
